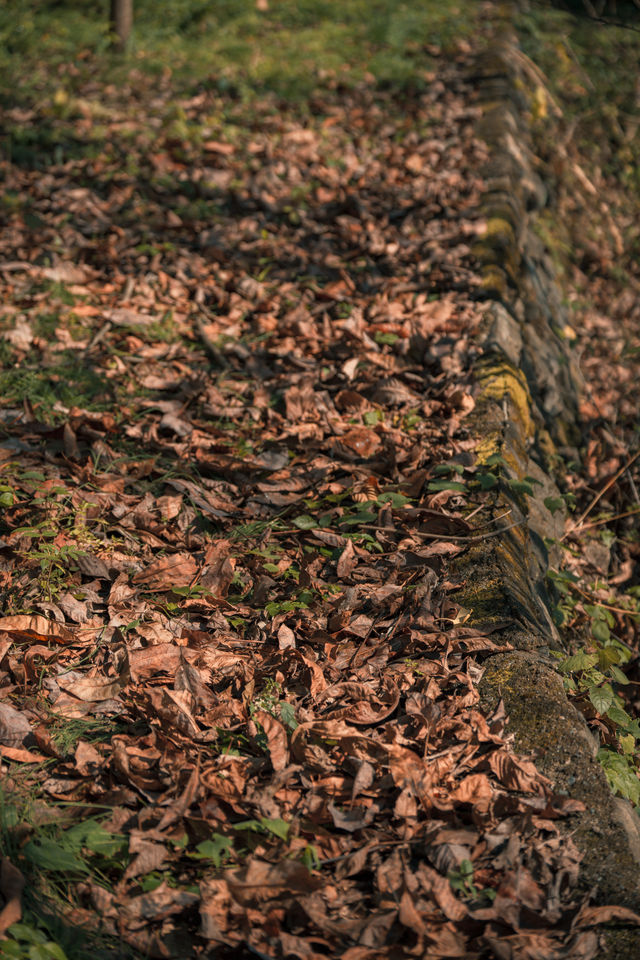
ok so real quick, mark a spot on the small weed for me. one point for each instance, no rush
(55, 564)
(66, 383)
(218, 850)
(591, 674)
(270, 701)
(50, 855)
(461, 881)
(277, 828)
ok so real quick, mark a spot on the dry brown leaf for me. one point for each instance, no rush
(348, 560)
(176, 570)
(259, 881)
(14, 726)
(276, 734)
(19, 755)
(11, 887)
(91, 689)
(23, 628)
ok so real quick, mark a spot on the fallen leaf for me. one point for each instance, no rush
(24, 628)
(11, 886)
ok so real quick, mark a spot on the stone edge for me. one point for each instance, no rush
(526, 412)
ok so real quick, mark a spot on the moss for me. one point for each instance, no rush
(495, 282)
(500, 380)
(488, 445)
(485, 599)
(548, 727)
(547, 448)
(500, 231)
(505, 210)
(497, 591)
(491, 251)
(620, 944)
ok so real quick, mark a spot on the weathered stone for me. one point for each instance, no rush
(528, 387)
(502, 334)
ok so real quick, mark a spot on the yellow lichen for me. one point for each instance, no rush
(504, 381)
(488, 446)
(494, 279)
(499, 230)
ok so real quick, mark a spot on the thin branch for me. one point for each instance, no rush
(599, 496)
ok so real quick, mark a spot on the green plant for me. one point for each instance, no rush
(27, 942)
(270, 701)
(622, 770)
(55, 562)
(461, 880)
(591, 675)
(218, 850)
(276, 827)
(7, 495)
(50, 853)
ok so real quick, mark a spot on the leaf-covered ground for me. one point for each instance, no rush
(238, 706)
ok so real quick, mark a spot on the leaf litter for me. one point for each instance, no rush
(228, 629)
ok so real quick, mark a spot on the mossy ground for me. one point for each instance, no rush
(287, 48)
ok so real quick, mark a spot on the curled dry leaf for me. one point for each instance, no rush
(517, 773)
(11, 887)
(92, 689)
(374, 702)
(591, 916)
(259, 881)
(276, 738)
(177, 570)
(27, 628)
(14, 726)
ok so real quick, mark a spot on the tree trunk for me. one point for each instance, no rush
(120, 22)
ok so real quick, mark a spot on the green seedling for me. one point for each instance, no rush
(218, 850)
(277, 828)
(461, 880)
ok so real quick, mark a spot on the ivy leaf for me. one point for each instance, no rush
(447, 485)
(217, 849)
(494, 460)
(521, 486)
(607, 656)
(305, 522)
(444, 468)
(579, 661)
(487, 481)
(601, 697)
(618, 715)
(600, 631)
(618, 675)
(628, 743)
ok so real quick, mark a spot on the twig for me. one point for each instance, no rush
(617, 516)
(598, 496)
(99, 335)
(605, 606)
(213, 351)
(444, 536)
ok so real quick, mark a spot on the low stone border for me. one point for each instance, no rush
(526, 412)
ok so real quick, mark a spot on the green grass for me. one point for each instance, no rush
(50, 851)
(286, 49)
(592, 70)
(68, 381)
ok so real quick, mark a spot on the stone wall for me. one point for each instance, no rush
(527, 413)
